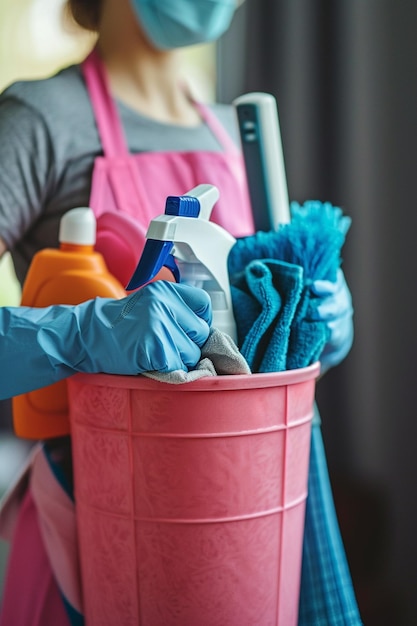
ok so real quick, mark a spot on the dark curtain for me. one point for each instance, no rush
(344, 74)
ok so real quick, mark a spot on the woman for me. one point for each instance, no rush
(119, 133)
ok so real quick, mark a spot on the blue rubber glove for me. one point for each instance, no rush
(160, 327)
(334, 308)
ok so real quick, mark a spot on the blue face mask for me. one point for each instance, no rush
(178, 23)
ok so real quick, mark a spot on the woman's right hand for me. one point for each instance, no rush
(160, 327)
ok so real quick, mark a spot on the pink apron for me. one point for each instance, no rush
(127, 192)
(38, 519)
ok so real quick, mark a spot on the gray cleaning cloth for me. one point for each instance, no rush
(219, 356)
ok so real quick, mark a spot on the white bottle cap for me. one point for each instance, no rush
(78, 226)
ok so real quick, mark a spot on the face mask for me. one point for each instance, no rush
(178, 23)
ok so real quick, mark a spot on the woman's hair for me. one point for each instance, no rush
(85, 12)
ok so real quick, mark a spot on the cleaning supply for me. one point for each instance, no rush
(311, 243)
(220, 356)
(185, 507)
(264, 160)
(265, 297)
(194, 249)
(313, 239)
(191, 497)
(71, 274)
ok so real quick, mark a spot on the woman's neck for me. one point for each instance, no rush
(146, 79)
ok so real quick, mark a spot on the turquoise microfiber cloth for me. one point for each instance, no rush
(308, 336)
(278, 329)
(266, 294)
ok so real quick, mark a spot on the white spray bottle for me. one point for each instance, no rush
(195, 249)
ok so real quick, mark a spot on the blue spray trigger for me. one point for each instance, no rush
(185, 206)
(156, 254)
(171, 265)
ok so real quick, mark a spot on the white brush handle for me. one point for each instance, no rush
(264, 160)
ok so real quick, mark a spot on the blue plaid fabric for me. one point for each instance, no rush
(327, 596)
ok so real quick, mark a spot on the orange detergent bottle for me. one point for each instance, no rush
(71, 274)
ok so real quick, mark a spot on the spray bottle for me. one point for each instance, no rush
(71, 274)
(194, 249)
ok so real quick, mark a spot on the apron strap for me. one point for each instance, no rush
(106, 115)
(217, 129)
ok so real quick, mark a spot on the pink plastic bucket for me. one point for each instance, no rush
(190, 498)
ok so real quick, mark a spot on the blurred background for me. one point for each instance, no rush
(345, 78)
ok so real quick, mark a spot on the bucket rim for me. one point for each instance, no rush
(227, 382)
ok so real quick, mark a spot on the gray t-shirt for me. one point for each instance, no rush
(48, 143)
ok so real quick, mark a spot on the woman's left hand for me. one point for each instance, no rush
(336, 310)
